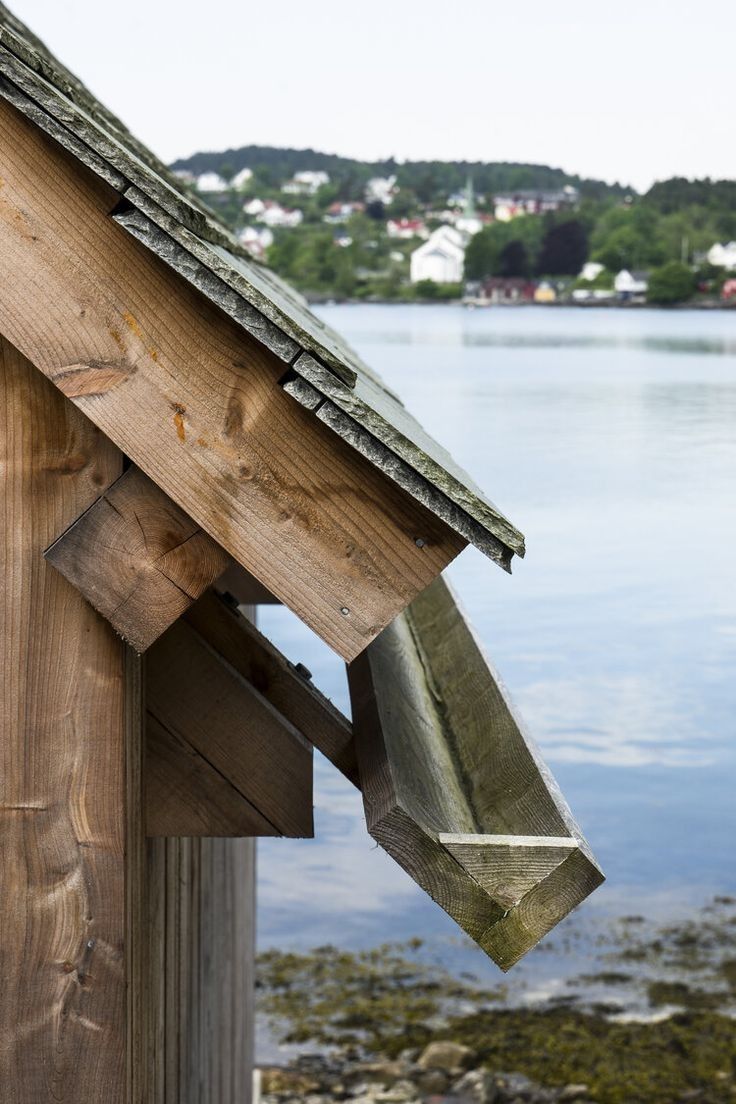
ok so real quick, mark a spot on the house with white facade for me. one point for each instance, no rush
(273, 214)
(241, 179)
(441, 258)
(381, 189)
(723, 256)
(631, 285)
(256, 240)
(590, 271)
(254, 207)
(306, 182)
(211, 182)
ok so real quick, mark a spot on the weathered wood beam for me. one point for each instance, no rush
(71, 865)
(287, 687)
(138, 558)
(454, 788)
(220, 759)
(195, 402)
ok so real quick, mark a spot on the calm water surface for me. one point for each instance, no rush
(609, 438)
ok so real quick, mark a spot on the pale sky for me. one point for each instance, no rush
(629, 92)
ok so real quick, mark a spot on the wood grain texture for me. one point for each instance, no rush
(138, 558)
(187, 796)
(289, 690)
(196, 403)
(454, 788)
(64, 710)
(207, 706)
(202, 955)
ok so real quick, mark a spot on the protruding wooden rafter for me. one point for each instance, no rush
(138, 558)
(455, 790)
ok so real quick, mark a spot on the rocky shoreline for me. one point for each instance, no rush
(444, 1071)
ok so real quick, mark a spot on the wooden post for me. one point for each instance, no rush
(68, 775)
(127, 975)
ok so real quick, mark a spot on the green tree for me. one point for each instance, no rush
(514, 259)
(564, 249)
(671, 283)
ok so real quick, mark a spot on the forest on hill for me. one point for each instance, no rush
(427, 181)
(339, 239)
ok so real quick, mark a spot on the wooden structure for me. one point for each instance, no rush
(181, 439)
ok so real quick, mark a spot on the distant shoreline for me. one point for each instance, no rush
(331, 301)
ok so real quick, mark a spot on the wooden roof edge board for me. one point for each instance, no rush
(407, 478)
(59, 133)
(256, 284)
(397, 469)
(454, 791)
(391, 424)
(148, 231)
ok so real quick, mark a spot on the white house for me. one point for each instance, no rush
(211, 182)
(630, 285)
(723, 256)
(254, 207)
(273, 214)
(440, 258)
(590, 271)
(256, 241)
(306, 182)
(241, 179)
(381, 189)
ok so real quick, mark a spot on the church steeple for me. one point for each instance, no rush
(469, 205)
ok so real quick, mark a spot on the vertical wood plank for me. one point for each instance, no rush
(64, 769)
(202, 939)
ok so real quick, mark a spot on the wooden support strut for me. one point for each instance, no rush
(288, 688)
(454, 788)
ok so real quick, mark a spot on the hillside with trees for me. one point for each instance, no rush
(420, 181)
(344, 242)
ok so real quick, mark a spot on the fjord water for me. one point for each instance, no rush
(609, 438)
